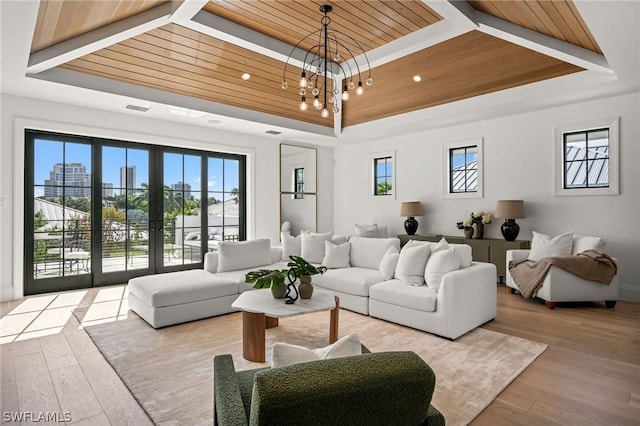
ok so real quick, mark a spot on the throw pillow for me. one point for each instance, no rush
(441, 245)
(283, 354)
(389, 262)
(440, 263)
(412, 262)
(371, 231)
(286, 226)
(368, 252)
(291, 246)
(336, 256)
(192, 236)
(237, 255)
(312, 246)
(463, 251)
(544, 246)
(586, 242)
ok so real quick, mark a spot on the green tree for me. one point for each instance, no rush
(234, 193)
(383, 188)
(39, 220)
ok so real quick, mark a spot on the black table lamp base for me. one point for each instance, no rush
(411, 225)
(510, 229)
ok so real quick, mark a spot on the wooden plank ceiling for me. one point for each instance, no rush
(177, 59)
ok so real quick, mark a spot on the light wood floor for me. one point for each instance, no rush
(589, 375)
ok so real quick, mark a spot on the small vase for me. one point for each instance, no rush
(479, 231)
(279, 292)
(305, 288)
(468, 233)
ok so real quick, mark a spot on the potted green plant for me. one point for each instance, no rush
(303, 270)
(274, 279)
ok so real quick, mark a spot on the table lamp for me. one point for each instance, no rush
(410, 209)
(510, 210)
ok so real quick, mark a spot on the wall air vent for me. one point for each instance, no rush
(137, 108)
(273, 132)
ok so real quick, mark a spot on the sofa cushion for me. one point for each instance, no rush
(371, 231)
(544, 246)
(368, 252)
(396, 292)
(352, 280)
(291, 246)
(176, 288)
(587, 242)
(312, 246)
(440, 263)
(389, 262)
(336, 256)
(412, 262)
(283, 354)
(238, 277)
(234, 255)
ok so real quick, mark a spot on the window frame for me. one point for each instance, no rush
(611, 124)
(298, 184)
(373, 158)
(446, 158)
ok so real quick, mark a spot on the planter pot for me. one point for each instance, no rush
(305, 288)
(279, 292)
(468, 233)
(479, 231)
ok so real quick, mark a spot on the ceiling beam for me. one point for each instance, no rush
(100, 38)
(530, 39)
(542, 43)
(179, 11)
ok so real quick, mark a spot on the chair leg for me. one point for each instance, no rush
(512, 290)
(550, 304)
(610, 303)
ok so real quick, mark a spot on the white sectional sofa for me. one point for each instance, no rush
(372, 282)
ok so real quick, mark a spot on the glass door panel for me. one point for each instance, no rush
(125, 209)
(61, 208)
(182, 239)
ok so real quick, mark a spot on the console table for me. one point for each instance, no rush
(491, 250)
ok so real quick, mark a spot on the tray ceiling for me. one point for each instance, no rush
(200, 50)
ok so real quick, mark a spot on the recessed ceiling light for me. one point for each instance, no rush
(417, 78)
(214, 121)
(246, 76)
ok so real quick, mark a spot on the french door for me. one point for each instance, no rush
(100, 212)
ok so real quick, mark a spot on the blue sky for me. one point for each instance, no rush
(177, 167)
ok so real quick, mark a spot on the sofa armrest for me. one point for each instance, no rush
(514, 256)
(228, 408)
(211, 262)
(467, 298)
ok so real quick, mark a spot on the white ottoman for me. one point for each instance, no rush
(177, 297)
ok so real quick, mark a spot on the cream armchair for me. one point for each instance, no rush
(562, 286)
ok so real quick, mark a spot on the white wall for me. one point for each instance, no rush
(262, 163)
(518, 164)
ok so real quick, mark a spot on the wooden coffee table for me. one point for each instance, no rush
(261, 311)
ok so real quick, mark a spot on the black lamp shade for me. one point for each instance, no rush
(411, 225)
(510, 229)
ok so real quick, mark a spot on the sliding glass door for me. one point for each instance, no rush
(100, 212)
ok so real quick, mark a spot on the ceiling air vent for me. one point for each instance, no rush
(273, 132)
(137, 108)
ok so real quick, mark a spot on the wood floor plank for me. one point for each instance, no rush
(77, 338)
(34, 387)
(99, 420)
(74, 393)
(117, 402)
(57, 351)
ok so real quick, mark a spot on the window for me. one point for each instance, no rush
(463, 169)
(586, 158)
(383, 174)
(298, 183)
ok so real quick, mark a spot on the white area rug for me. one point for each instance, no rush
(170, 371)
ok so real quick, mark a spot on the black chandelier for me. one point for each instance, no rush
(322, 66)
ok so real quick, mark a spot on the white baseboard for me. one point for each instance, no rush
(630, 293)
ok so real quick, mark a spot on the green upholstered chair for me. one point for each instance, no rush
(385, 388)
